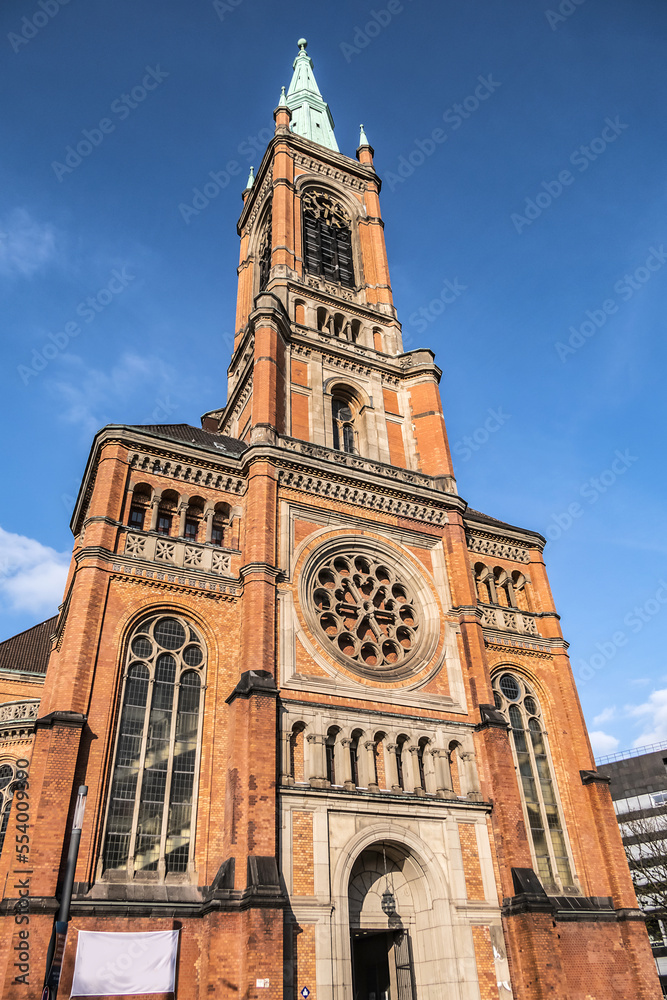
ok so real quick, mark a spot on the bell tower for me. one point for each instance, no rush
(318, 353)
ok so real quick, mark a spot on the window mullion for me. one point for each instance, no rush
(142, 765)
(195, 783)
(170, 768)
(543, 811)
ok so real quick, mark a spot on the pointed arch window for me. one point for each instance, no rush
(151, 815)
(344, 435)
(515, 699)
(327, 238)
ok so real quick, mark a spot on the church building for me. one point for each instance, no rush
(323, 709)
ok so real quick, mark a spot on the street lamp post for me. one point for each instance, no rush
(54, 956)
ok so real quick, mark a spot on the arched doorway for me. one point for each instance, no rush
(382, 914)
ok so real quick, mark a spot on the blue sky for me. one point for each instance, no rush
(542, 203)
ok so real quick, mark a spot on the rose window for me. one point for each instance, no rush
(366, 611)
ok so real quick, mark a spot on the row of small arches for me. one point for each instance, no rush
(497, 586)
(337, 324)
(378, 761)
(180, 515)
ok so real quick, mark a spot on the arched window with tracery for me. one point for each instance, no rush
(343, 413)
(327, 238)
(265, 250)
(150, 823)
(7, 773)
(516, 700)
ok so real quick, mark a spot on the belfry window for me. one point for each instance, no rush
(520, 707)
(343, 425)
(327, 238)
(265, 249)
(152, 806)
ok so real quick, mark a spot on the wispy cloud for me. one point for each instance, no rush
(32, 575)
(606, 715)
(653, 713)
(602, 742)
(25, 244)
(91, 397)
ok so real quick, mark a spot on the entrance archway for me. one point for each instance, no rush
(385, 892)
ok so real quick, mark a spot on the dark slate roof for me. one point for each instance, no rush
(29, 651)
(476, 515)
(196, 436)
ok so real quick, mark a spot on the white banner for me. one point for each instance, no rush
(118, 964)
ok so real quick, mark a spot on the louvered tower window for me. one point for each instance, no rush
(151, 814)
(327, 238)
(265, 248)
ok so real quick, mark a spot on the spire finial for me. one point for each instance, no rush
(363, 138)
(283, 100)
(311, 117)
(251, 179)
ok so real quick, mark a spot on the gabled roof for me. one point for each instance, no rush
(194, 435)
(29, 651)
(476, 515)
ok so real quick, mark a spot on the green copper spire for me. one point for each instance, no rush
(363, 138)
(311, 117)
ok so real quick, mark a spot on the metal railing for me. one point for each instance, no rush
(637, 752)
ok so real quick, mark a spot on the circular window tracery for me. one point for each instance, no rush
(367, 609)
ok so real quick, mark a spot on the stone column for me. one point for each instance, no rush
(443, 774)
(367, 766)
(208, 520)
(286, 776)
(415, 778)
(345, 765)
(391, 768)
(155, 509)
(317, 761)
(183, 513)
(470, 776)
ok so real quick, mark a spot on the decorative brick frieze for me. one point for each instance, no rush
(361, 497)
(187, 472)
(488, 545)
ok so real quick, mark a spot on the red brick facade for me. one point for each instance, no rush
(351, 782)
